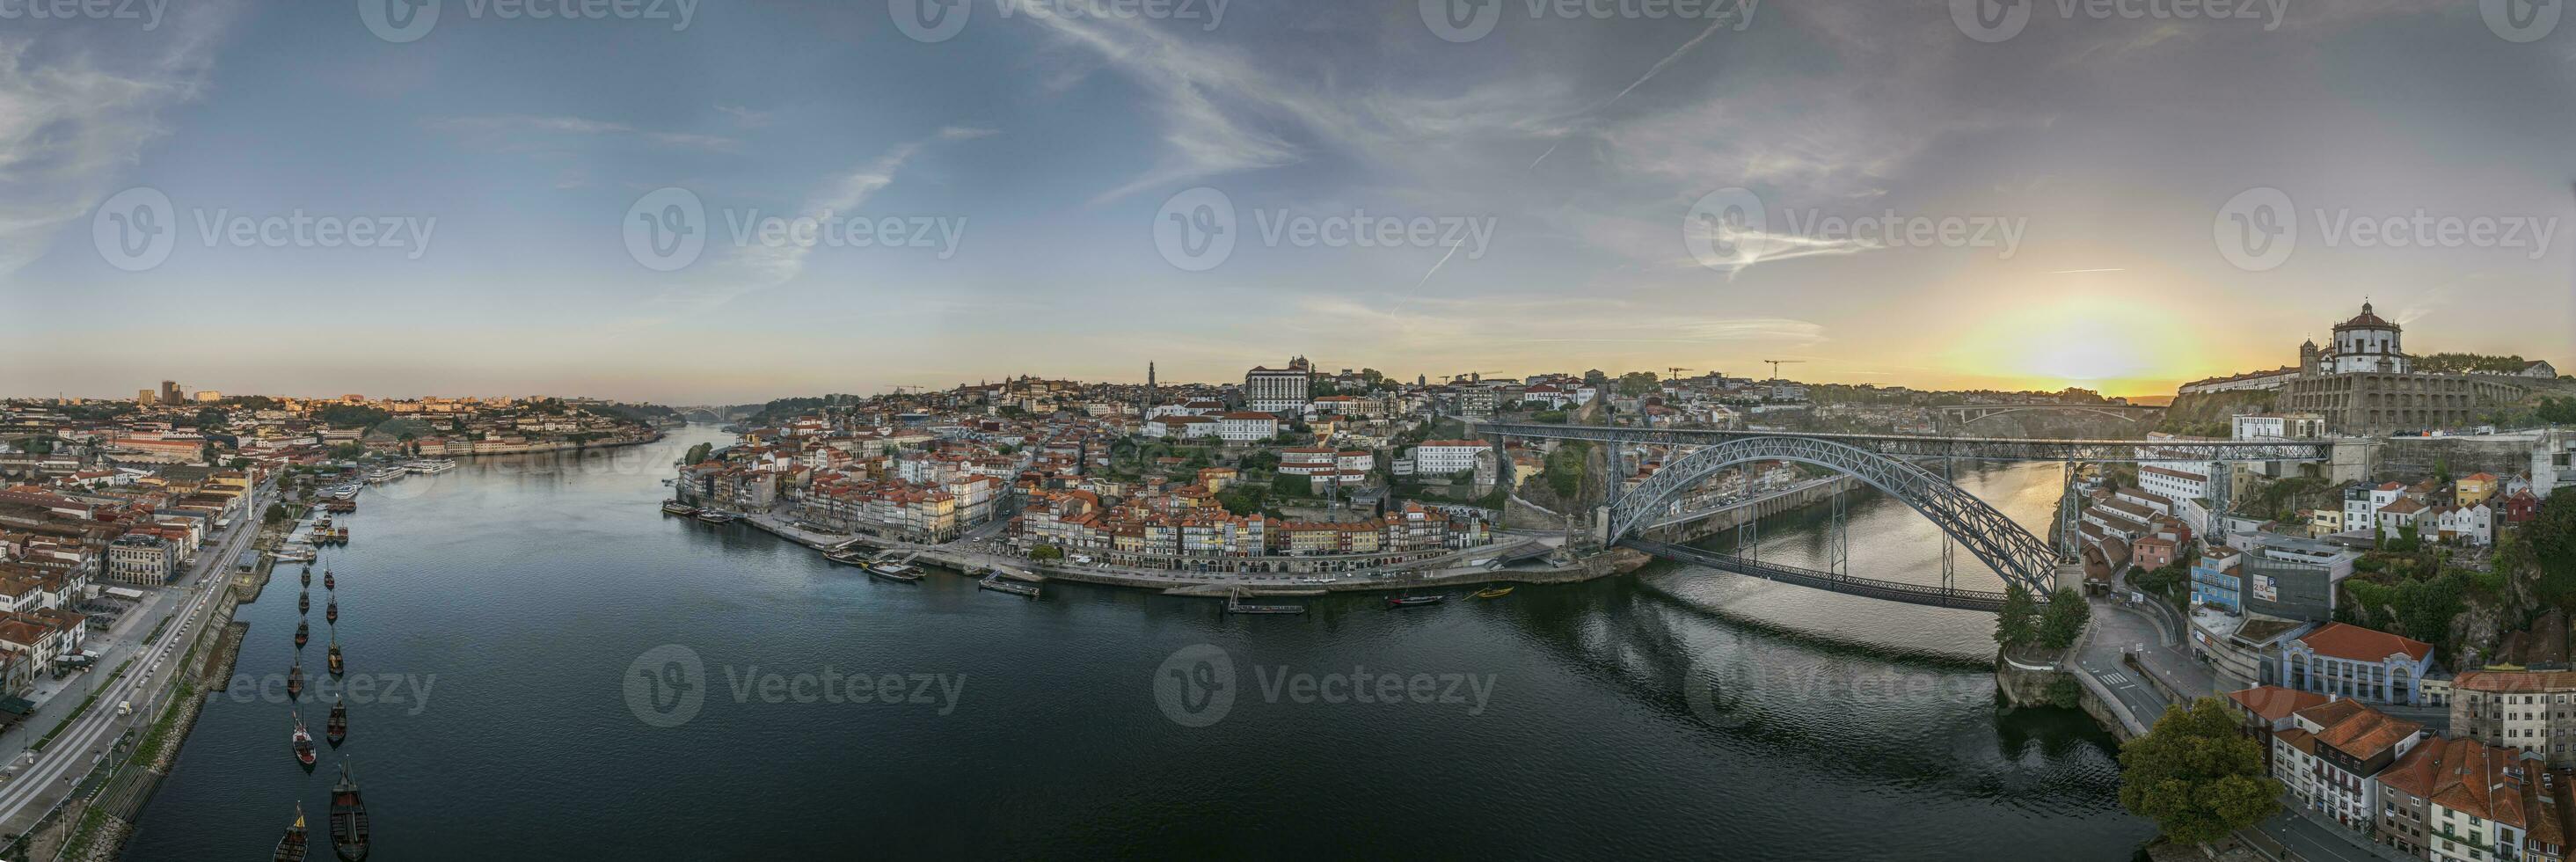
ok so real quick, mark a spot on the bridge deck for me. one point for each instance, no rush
(1894, 591)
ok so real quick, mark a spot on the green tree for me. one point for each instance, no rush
(1286, 485)
(1046, 552)
(276, 513)
(2019, 619)
(2196, 776)
(2063, 620)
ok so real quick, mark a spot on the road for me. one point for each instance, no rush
(36, 786)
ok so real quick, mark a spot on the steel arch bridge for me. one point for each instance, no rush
(2023, 559)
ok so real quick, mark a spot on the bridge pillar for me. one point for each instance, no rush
(1601, 525)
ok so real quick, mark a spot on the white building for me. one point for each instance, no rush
(1247, 427)
(2367, 343)
(1444, 457)
(2330, 752)
(1279, 390)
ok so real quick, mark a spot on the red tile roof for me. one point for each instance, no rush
(2355, 643)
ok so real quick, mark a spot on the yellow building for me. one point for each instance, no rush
(2474, 488)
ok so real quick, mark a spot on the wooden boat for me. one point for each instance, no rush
(1000, 584)
(1234, 604)
(336, 728)
(295, 679)
(1493, 592)
(304, 601)
(329, 582)
(307, 575)
(715, 517)
(303, 633)
(331, 614)
(1400, 602)
(333, 659)
(675, 507)
(303, 742)
(848, 558)
(904, 573)
(348, 818)
(290, 847)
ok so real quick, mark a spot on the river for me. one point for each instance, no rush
(557, 623)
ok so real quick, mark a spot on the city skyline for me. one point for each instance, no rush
(1543, 181)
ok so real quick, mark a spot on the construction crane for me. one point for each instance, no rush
(1471, 375)
(1776, 363)
(1676, 372)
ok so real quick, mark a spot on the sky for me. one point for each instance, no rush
(585, 197)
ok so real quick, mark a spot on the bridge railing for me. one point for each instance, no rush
(1928, 445)
(1871, 587)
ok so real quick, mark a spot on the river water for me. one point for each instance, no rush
(558, 623)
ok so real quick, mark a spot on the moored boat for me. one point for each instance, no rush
(1234, 604)
(333, 658)
(1493, 592)
(303, 633)
(904, 573)
(290, 847)
(306, 575)
(303, 742)
(331, 613)
(715, 517)
(1414, 601)
(336, 728)
(349, 834)
(848, 558)
(304, 602)
(675, 507)
(295, 679)
(329, 582)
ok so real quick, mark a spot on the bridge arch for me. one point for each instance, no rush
(2023, 559)
(1973, 415)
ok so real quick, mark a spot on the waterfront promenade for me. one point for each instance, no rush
(38, 781)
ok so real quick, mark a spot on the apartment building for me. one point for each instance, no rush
(2329, 754)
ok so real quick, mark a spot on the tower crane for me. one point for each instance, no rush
(1776, 363)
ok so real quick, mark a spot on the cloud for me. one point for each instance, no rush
(521, 133)
(77, 110)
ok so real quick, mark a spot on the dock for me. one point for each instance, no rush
(1234, 604)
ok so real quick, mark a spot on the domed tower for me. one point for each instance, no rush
(2369, 342)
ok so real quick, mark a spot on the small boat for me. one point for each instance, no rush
(306, 575)
(997, 583)
(848, 558)
(329, 582)
(333, 659)
(430, 467)
(303, 742)
(290, 847)
(295, 679)
(336, 728)
(1414, 601)
(331, 614)
(1493, 592)
(348, 818)
(715, 517)
(904, 573)
(1234, 604)
(675, 507)
(304, 602)
(303, 633)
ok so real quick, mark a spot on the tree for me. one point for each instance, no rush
(2019, 619)
(1046, 552)
(2196, 776)
(276, 513)
(1287, 485)
(2063, 620)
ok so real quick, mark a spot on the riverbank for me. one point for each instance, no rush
(478, 450)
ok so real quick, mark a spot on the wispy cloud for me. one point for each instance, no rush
(521, 132)
(76, 113)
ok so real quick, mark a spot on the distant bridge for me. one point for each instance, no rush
(1883, 461)
(1965, 414)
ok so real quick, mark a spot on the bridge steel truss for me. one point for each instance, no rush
(2012, 551)
(1928, 446)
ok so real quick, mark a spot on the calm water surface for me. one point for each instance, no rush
(521, 592)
